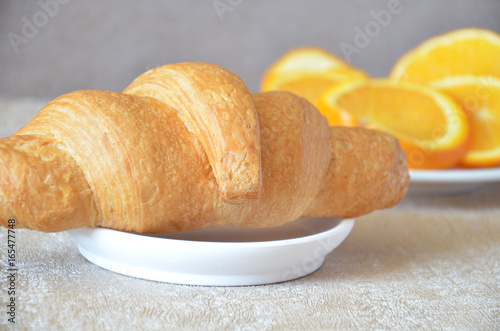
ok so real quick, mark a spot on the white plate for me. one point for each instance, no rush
(218, 257)
(452, 181)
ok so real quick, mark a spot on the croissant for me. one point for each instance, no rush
(184, 147)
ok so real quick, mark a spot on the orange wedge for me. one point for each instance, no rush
(336, 116)
(461, 52)
(480, 98)
(308, 71)
(431, 127)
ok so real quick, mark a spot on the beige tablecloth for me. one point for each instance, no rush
(429, 263)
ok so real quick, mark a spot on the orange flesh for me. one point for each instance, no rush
(481, 103)
(403, 118)
(475, 57)
(309, 88)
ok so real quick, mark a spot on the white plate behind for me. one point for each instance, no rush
(451, 181)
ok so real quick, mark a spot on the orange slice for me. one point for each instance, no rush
(308, 71)
(336, 116)
(480, 98)
(461, 52)
(431, 127)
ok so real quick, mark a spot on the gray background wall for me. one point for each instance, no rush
(104, 44)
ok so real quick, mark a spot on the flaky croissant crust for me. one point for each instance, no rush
(187, 147)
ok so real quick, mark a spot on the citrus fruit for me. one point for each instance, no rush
(467, 51)
(431, 127)
(336, 116)
(480, 98)
(308, 71)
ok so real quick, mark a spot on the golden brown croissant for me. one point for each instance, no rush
(187, 147)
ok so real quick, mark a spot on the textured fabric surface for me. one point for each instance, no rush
(429, 263)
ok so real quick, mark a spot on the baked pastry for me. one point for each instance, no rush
(217, 107)
(146, 162)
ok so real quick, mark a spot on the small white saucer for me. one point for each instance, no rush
(451, 181)
(219, 256)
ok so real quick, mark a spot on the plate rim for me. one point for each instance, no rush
(455, 175)
(299, 256)
(121, 235)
